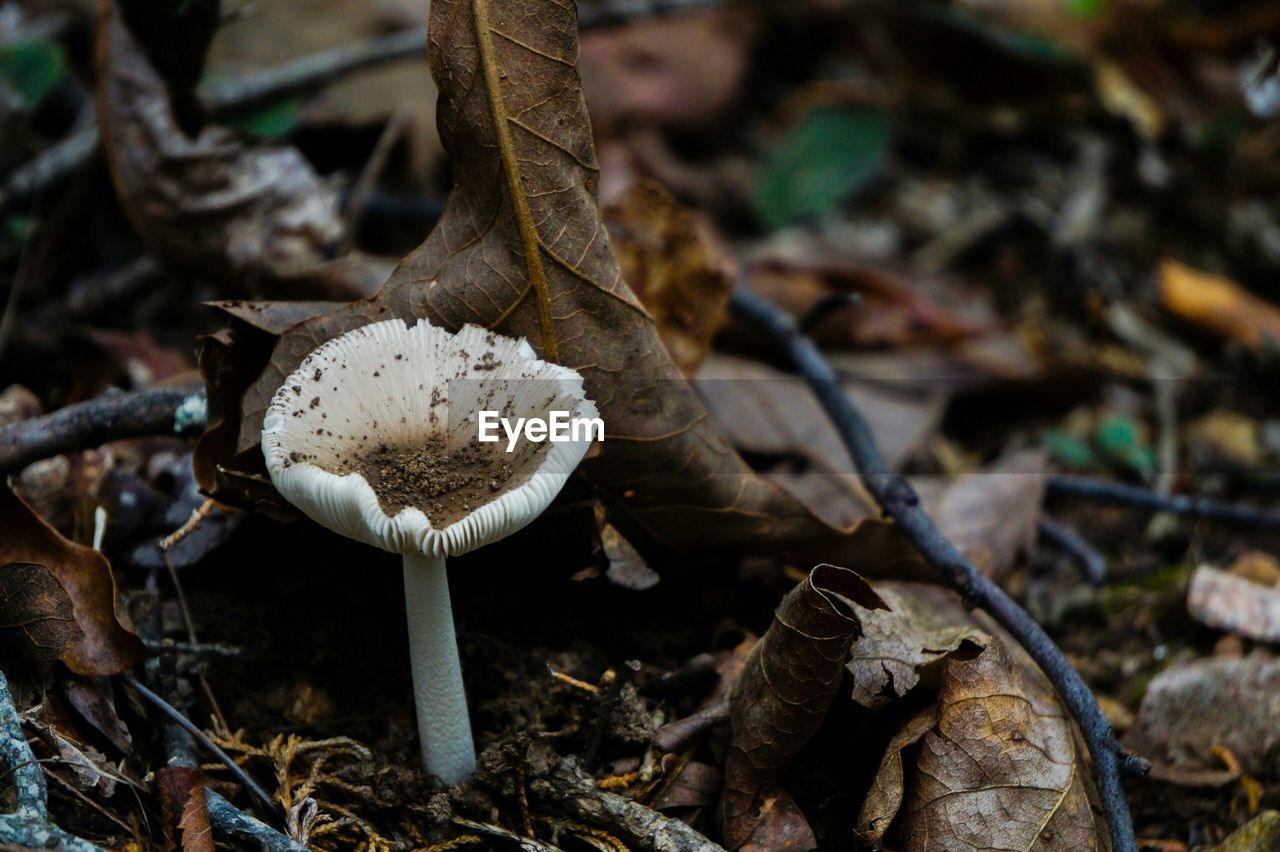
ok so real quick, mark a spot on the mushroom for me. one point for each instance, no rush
(375, 436)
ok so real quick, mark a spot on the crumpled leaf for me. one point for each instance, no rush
(107, 646)
(1235, 603)
(1191, 708)
(521, 248)
(781, 698)
(88, 765)
(996, 762)
(36, 619)
(672, 263)
(1218, 305)
(253, 217)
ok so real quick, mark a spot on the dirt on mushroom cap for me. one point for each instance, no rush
(446, 485)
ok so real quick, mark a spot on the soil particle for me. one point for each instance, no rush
(446, 486)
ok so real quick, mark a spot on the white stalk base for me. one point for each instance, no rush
(443, 725)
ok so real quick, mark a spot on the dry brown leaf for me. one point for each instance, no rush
(1260, 834)
(673, 264)
(254, 217)
(993, 515)
(996, 761)
(175, 785)
(521, 248)
(1234, 603)
(781, 698)
(107, 646)
(1219, 305)
(1190, 709)
(37, 622)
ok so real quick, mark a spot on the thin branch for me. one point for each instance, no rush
(1063, 537)
(899, 501)
(109, 417)
(572, 791)
(1186, 505)
(28, 825)
(187, 725)
(233, 822)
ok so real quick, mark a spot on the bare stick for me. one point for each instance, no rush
(571, 790)
(187, 725)
(233, 822)
(28, 825)
(1063, 537)
(899, 501)
(110, 417)
(1186, 505)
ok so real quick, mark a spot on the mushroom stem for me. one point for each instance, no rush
(443, 725)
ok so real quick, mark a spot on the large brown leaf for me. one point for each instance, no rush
(781, 698)
(996, 762)
(521, 248)
(107, 646)
(254, 217)
(36, 618)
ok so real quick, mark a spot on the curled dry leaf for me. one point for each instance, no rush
(672, 262)
(36, 619)
(996, 761)
(1235, 603)
(255, 215)
(521, 248)
(780, 700)
(107, 646)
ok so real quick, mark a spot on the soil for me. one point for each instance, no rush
(445, 485)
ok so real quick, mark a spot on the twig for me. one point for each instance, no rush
(899, 501)
(1186, 505)
(109, 417)
(571, 790)
(28, 825)
(230, 820)
(299, 77)
(1063, 537)
(186, 724)
(199, 649)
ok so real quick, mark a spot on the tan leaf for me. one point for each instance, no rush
(996, 762)
(108, 646)
(786, 686)
(197, 834)
(521, 248)
(672, 262)
(37, 622)
(1219, 305)
(251, 216)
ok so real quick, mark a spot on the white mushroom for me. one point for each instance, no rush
(375, 437)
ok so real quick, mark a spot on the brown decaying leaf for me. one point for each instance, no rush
(993, 515)
(997, 762)
(521, 248)
(781, 698)
(36, 619)
(254, 217)
(1219, 305)
(186, 820)
(108, 646)
(672, 262)
(1235, 603)
(1190, 709)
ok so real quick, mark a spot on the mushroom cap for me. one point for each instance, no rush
(392, 389)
